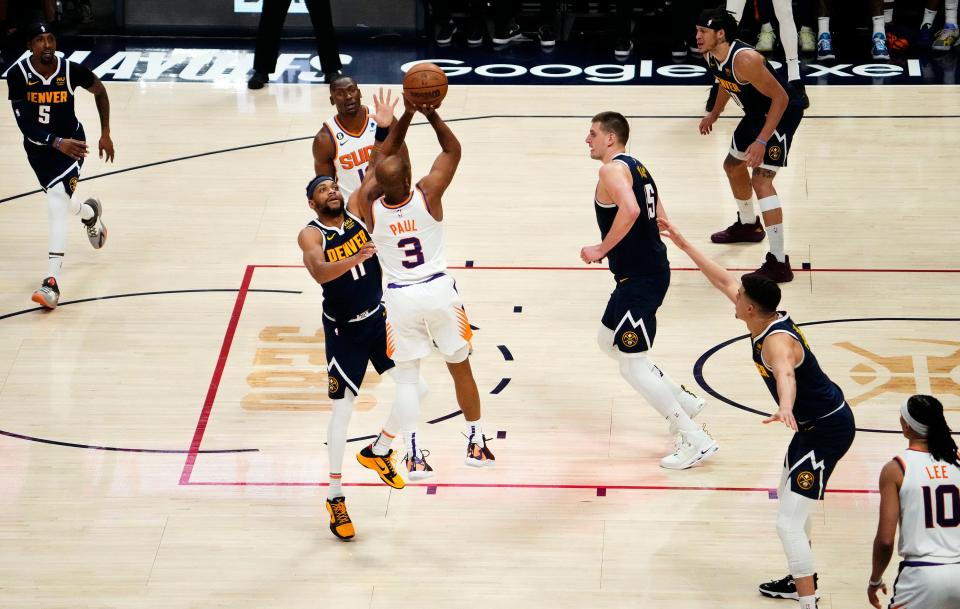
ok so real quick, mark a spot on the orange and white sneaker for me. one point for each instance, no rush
(340, 524)
(48, 294)
(479, 455)
(383, 465)
(417, 467)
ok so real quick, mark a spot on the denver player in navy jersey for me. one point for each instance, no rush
(627, 205)
(762, 139)
(41, 91)
(340, 255)
(808, 401)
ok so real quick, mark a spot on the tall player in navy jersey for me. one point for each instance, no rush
(762, 139)
(41, 91)
(627, 205)
(808, 402)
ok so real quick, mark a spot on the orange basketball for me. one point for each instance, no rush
(425, 83)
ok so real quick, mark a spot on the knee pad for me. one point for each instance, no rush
(458, 356)
(406, 372)
(792, 520)
(606, 342)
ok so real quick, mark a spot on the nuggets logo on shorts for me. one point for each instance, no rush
(629, 339)
(775, 152)
(334, 385)
(805, 480)
(73, 185)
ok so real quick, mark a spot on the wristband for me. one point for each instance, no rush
(875, 584)
(764, 142)
(56, 142)
(381, 134)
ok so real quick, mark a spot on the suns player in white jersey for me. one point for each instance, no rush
(920, 488)
(423, 306)
(343, 146)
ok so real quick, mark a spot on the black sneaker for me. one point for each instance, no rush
(799, 91)
(679, 50)
(446, 32)
(775, 270)
(475, 33)
(548, 39)
(623, 48)
(784, 588)
(738, 232)
(712, 96)
(257, 80)
(507, 33)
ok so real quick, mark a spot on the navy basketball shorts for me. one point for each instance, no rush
(631, 312)
(778, 146)
(815, 451)
(52, 166)
(349, 347)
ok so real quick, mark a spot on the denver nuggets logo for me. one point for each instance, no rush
(333, 385)
(73, 185)
(805, 480)
(629, 339)
(775, 152)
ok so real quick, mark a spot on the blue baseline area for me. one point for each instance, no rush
(230, 60)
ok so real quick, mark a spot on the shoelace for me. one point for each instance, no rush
(340, 515)
(93, 231)
(417, 460)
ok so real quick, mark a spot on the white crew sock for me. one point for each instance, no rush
(928, 17)
(775, 236)
(474, 432)
(747, 214)
(950, 12)
(783, 9)
(823, 25)
(878, 25)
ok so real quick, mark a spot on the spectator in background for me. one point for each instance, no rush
(268, 40)
(788, 39)
(624, 44)
(506, 29)
(947, 37)
(879, 50)
(683, 19)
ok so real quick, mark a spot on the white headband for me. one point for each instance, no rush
(914, 424)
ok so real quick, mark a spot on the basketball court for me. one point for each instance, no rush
(163, 430)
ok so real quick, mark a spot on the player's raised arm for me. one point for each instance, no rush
(323, 151)
(435, 183)
(721, 278)
(311, 242)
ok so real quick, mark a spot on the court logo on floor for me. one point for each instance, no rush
(905, 374)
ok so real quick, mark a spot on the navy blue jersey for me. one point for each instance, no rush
(753, 102)
(641, 251)
(817, 395)
(49, 101)
(361, 288)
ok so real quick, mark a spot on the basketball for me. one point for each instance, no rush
(425, 83)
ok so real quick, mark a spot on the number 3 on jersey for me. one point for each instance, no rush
(414, 251)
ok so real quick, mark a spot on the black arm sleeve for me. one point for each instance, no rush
(80, 75)
(31, 130)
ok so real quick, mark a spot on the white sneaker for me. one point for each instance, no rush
(766, 39)
(808, 40)
(96, 231)
(692, 448)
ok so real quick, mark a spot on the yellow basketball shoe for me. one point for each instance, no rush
(340, 523)
(383, 465)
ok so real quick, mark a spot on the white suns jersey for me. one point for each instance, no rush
(352, 152)
(410, 242)
(929, 509)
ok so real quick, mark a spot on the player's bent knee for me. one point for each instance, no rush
(406, 372)
(606, 342)
(732, 164)
(459, 356)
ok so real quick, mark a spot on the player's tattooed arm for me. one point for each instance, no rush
(102, 100)
(323, 151)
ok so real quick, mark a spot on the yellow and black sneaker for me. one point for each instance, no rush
(479, 455)
(383, 465)
(340, 523)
